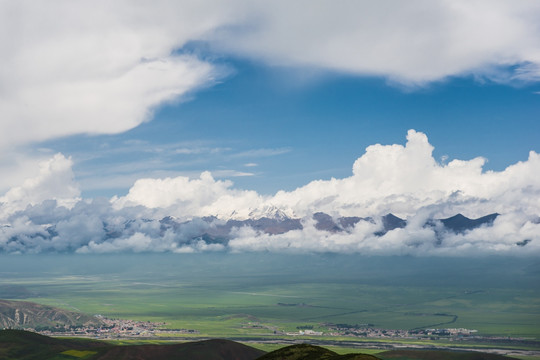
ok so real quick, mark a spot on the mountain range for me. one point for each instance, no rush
(220, 231)
(213, 230)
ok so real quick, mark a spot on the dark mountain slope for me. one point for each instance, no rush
(200, 350)
(24, 345)
(311, 352)
(459, 223)
(299, 352)
(439, 355)
(391, 222)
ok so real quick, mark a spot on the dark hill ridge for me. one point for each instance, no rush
(311, 352)
(23, 345)
(299, 352)
(201, 350)
(439, 355)
(24, 314)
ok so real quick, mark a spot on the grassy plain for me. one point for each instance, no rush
(252, 295)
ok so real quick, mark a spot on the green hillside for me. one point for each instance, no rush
(23, 345)
(438, 355)
(311, 352)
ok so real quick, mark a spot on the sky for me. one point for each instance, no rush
(121, 111)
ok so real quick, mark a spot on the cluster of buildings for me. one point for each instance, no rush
(372, 332)
(116, 328)
(306, 332)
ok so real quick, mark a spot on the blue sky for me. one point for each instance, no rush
(272, 127)
(115, 111)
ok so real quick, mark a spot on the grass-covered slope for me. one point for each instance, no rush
(200, 350)
(23, 345)
(438, 355)
(311, 352)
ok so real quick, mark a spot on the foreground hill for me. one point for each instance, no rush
(23, 345)
(200, 350)
(24, 314)
(311, 352)
(439, 355)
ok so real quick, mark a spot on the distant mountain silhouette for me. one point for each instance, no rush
(273, 221)
(459, 223)
(325, 222)
(391, 222)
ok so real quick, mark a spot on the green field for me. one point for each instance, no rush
(251, 296)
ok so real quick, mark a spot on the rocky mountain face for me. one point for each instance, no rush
(24, 315)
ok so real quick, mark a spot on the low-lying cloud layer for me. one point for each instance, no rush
(203, 214)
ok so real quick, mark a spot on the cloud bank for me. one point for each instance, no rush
(187, 215)
(101, 67)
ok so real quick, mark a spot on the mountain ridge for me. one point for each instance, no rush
(26, 315)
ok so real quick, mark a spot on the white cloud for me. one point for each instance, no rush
(138, 242)
(96, 67)
(44, 214)
(410, 42)
(54, 181)
(262, 152)
(101, 67)
(185, 197)
(387, 178)
(404, 179)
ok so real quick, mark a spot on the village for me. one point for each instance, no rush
(116, 329)
(368, 331)
(126, 329)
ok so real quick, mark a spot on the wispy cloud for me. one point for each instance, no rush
(231, 173)
(258, 153)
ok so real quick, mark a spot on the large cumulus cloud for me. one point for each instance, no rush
(185, 215)
(404, 179)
